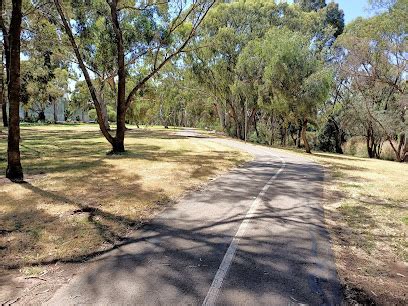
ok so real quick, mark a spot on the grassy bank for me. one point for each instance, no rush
(367, 214)
(77, 200)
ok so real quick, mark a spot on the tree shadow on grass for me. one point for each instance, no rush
(180, 252)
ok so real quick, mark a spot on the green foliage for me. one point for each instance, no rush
(374, 64)
(311, 5)
(92, 114)
(292, 79)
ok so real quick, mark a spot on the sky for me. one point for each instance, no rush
(353, 8)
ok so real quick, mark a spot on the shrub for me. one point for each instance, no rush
(355, 146)
(92, 114)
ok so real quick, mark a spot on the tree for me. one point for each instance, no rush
(293, 78)
(45, 71)
(374, 65)
(159, 33)
(14, 169)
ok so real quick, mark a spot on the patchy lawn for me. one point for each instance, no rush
(78, 201)
(367, 214)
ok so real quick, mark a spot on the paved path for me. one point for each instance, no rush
(252, 236)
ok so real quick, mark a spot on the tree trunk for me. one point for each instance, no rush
(283, 132)
(118, 146)
(221, 115)
(402, 150)
(6, 53)
(2, 97)
(41, 116)
(104, 112)
(338, 136)
(272, 139)
(299, 135)
(14, 170)
(54, 103)
(305, 142)
(370, 142)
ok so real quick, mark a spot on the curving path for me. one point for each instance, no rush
(253, 236)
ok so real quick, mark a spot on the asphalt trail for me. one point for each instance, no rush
(254, 236)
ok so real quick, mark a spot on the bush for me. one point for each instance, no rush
(111, 114)
(387, 152)
(92, 114)
(355, 146)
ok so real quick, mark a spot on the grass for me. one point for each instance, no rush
(367, 215)
(78, 200)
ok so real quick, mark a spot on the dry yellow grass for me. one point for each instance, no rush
(77, 200)
(367, 214)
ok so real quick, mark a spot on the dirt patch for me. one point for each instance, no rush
(34, 285)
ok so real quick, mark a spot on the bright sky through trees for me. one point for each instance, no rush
(352, 8)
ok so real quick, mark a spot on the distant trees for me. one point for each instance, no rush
(374, 68)
(293, 82)
(225, 45)
(45, 73)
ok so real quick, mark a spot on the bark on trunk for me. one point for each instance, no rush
(119, 145)
(2, 97)
(221, 115)
(3, 101)
(370, 142)
(402, 150)
(283, 132)
(14, 170)
(299, 134)
(305, 142)
(104, 112)
(4, 53)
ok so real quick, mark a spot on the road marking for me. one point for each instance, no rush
(216, 285)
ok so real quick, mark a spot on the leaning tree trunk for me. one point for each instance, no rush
(305, 142)
(14, 170)
(401, 152)
(85, 72)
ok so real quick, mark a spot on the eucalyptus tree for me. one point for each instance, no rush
(137, 38)
(228, 28)
(375, 66)
(45, 71)
(290, 76)
(226, 32)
